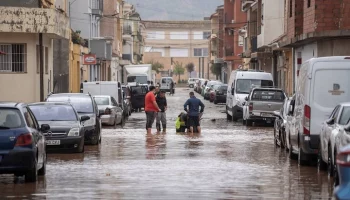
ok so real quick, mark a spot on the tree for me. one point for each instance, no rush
(179, 70)
(216, 70)
(157, 66)
(190, 68)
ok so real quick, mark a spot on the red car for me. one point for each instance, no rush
(218, 94)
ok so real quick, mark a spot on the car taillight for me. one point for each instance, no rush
(343, 158)
(24, 140)
(250, 107)
(306, 121)
(108, 111)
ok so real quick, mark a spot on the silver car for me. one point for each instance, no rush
(112, 112)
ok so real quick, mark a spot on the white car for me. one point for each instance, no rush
(191, 82)
(322, 84)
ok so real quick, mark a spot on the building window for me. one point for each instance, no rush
(308, 3)
(200, 52)
(179, 35)
(46, 60)
(206, 34)
(201, 35)
(15, 59)
(240, 41)
(290, 8)
(178, 52)
(156, 35)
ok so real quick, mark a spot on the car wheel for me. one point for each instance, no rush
(32, 174)
(290, 153)
(42, 171)
(330, 167)
(281, 139)
(321, 165)
(275, 137)
(335, 172)
(96, 138)
(81, 148)
(302, 158)
(228, 117)
(284, 140)
(249, 122)
(122, 123)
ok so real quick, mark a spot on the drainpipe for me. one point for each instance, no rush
(41, 62)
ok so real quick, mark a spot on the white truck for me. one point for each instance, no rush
(140, 74)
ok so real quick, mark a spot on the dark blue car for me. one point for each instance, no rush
(22, 144)
(342, 191)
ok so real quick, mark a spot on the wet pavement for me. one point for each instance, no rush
(227, 161)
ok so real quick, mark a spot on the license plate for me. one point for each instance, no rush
(53, 142)
(266, 115)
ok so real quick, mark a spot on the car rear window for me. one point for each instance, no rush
(268, 95)
(83, 104)
(11, 118)
(54, 113)
(102, 101)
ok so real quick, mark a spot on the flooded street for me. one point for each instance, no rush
(227, 161)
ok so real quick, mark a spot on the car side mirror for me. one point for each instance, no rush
(45, 127)
(84, 118)
(330, 121)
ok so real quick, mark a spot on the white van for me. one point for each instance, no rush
(239, 86)
(165, 83)
(110, 88)
(322, 84)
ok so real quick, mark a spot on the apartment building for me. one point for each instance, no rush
(184, 42)
(21, 39)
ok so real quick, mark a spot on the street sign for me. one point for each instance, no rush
(89, 59)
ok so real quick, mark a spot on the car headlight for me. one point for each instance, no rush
(73, 132)
(90, 122)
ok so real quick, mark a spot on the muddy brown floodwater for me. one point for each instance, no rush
(227, 161)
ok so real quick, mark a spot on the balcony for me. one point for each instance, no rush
(246, 4)
(34, 20)
(102, 47)
(97, 8)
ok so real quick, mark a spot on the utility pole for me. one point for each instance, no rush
(41, 62)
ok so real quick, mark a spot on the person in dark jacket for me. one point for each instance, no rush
(193, 112)
(161, 116)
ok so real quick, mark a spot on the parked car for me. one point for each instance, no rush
(127, 103)
(281, 123)
(330, 128)
(197, 85)
(218, 94)
(112, 113)
(341, 192)
(66, 129)
(85, 105)
(239, 86)
(261, 104)
(22, 143)
(322, 84)
(191, 82)
(210, 86)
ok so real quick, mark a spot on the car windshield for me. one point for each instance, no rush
(137, 79)
(167, 80)
(268, 95)
(345, 116)
(10, 118)
(82, 104)
(244, 86)
(54, 113)
(102, 101)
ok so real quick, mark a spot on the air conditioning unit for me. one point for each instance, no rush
(233, 21)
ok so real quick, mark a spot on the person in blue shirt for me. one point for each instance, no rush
(193, 112)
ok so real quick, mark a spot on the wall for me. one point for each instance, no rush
(296, 21)
(25, 87)
(61, 65)
(338, 47)
(273, 22)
